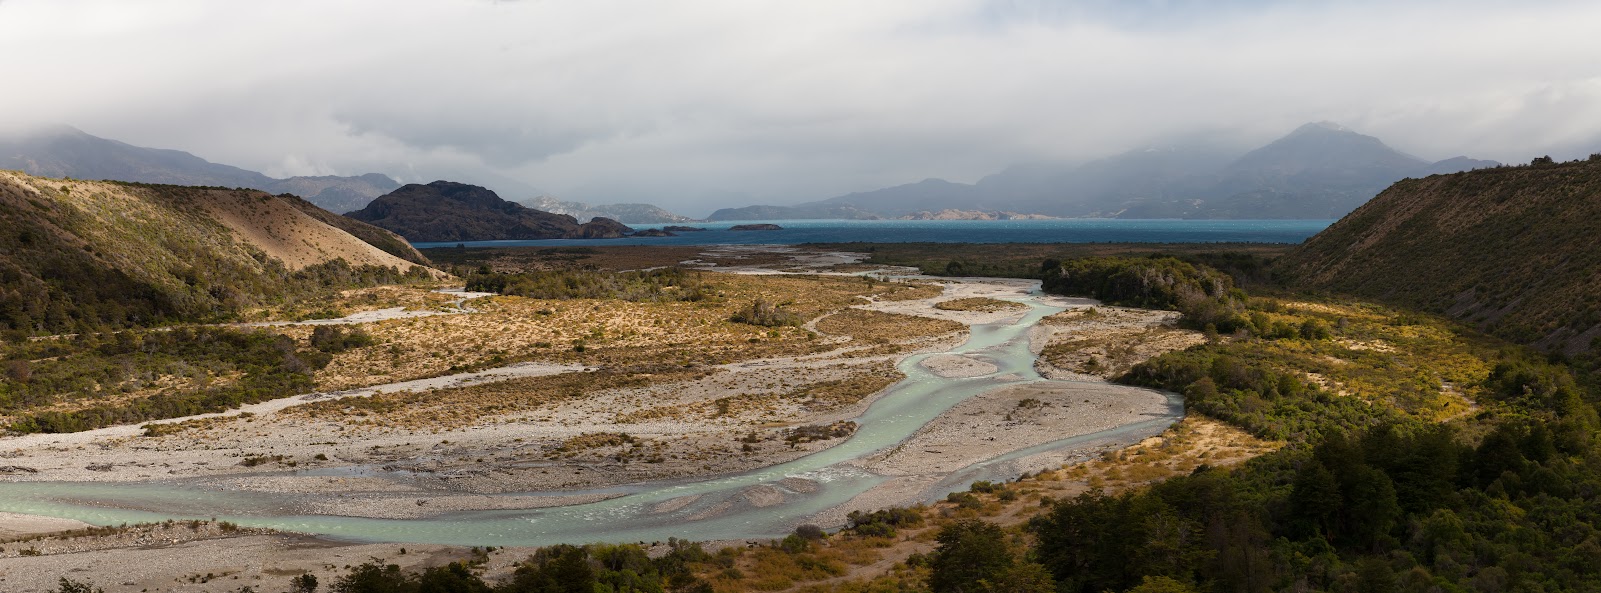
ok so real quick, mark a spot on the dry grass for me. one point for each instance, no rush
(412, 298)
(1108, 341)
(874, 327)
(829, 395)
(981, 304)
(609, 333)
(1190, 443)
(463, 406)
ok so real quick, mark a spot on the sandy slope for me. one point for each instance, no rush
(284, 232)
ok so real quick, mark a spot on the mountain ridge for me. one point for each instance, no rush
(67, 152)
(1508, 249)
(1318, 170)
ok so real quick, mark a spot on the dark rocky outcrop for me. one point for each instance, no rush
(449, 211)
(599, 228)
(756, 227)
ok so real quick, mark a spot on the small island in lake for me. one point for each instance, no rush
(756, 227)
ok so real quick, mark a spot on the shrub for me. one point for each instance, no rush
(765, 314)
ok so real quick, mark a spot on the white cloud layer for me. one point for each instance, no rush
(695, 104)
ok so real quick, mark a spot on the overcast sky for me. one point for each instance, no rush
(694, 105)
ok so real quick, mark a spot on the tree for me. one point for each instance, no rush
(306, 583)
(450, 578)
(556, 569)
(971, 554)
(371, 577)
(1314, 499)
(1159, 584)
(71, 586)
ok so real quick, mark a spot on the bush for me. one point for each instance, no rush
(765, 314)
(333, 339)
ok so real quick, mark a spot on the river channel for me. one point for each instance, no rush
(716, 508)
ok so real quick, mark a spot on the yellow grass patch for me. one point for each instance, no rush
(982, 304)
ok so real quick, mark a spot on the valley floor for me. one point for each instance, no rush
(650, 401)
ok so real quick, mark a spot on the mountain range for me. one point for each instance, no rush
(1320, 170)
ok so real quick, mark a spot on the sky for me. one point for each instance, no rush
(694, 105)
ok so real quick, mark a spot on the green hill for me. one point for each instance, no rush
(1513, 250)
(83, 255)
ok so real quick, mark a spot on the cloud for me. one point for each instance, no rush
(692, 103)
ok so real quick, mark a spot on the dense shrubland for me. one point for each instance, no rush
(100, 379)
(1206, 297)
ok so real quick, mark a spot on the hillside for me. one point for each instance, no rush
(449, 211)
(626, 213)
(83, 254)
(1511, 249)
(64, 151)
(385, 240)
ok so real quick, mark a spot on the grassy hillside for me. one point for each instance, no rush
(1511, 250)
(78, 255)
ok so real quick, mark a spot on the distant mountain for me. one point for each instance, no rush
(1320, 170)
(336, 194)
(449, 211)
(1510, 249)
(78, 255)
(1148, 178)
(954, 214)
(799, 212)
(63, 151)
(628, 213)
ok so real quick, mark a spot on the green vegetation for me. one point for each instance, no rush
(1375, 493)
(1248, 263)
(624, 568)
(1205, 296)
(662, 284)
(101, 379)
